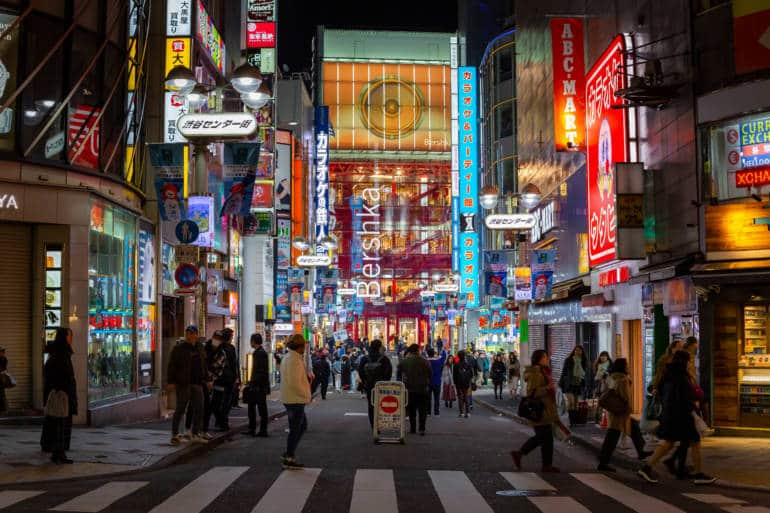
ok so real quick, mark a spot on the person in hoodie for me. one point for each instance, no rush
(374, 367)
(484, 367)
(540, 385)
(436, 365)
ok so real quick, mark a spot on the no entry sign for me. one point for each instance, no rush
(389, 404)
(388, 400)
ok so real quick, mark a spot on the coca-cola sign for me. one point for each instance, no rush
(607, 143)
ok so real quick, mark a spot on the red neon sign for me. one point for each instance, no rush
(620, 275)
(260, 34)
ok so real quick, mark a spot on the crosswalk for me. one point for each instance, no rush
(377, 491)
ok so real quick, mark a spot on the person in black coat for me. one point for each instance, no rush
(224, 385)
(258, 388)
(575, 381)
(321, 372)
(498, 375)
(347, 371)
(374, 367)
(59, 375)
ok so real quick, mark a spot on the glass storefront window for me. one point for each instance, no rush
(754, 367)
(146, 294)
(112, 246)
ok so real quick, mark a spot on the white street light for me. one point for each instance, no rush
(300, 243)
(258, 98)
(199, 96)
(437, 276)
(329, 242)
(530, 196)
(181, 80)
(246, 79)
(488, 197)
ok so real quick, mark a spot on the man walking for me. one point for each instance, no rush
(258, 388)
(222, 398)
(436, 365)
(417, 374)
(187, 375)
(374, 367)
(295, 394)
(321, 372)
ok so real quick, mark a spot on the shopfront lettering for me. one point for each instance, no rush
(752, 177)
(545, 221)
(8, 202)
(568, 83)
(613, 277)
(369, 234)
(755, 132)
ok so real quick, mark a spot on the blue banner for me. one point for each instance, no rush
(239, 173)
(168, 161)
(543, 262)
(467, 111)
(497, 284)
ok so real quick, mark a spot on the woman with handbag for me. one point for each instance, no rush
(60, 393)
(540, 389)
(447, 383)
(575, 378)
(618, 406)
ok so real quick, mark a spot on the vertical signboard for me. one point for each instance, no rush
(568, 84)
(607, 143)
(468, 183)
(178, 17)
(321, 175)
(751, 35)
(453, 89)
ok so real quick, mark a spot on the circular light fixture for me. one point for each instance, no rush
(181, 80)
(488, 197)
(45, 105)
(422, 285)
(199, 96)
(437, 276)
(530, 196)
(329, 242)
(300, 243)
(246, 79)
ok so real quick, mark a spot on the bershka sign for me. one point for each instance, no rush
(217, 125)
(606, 144)
(510, 221)
(369, 235)
(614, 276)
(568, 84)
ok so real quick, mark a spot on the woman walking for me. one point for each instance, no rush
(514, 374)
(462, 376)
(575, 377)
(295, 394)
(677, 423)
(621, 422)
(447, 383)
(540, 386)
(498, 375)
(58, 377)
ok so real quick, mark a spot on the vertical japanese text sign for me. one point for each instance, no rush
(468, 171)
(321, 176)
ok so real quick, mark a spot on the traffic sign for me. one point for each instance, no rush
(187, 231)
(389, 404)
(388, 400)
(186, 276)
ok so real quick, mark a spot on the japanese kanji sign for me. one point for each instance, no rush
(178, 53)
(468, 180)
(178, 18)
(219, 125)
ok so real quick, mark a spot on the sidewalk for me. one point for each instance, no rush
(109, 450)
(736, 461)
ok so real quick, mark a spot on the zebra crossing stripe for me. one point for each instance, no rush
(11, 497)
(740, 508)
(629, 497)
(714, 499)
(289, 492)
(100, 498)
(374, 491)
(457, 493)
(527, 481)
(201, 492)
(558, 505)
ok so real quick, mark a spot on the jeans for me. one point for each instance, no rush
(418, 402)
(257, 400)
(297, 426)
(463, 398)
(192, 395)
(543, 438)
(221, 402)
(435, 394)
(611, 441)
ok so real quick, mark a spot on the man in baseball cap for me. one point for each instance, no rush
(192, 328)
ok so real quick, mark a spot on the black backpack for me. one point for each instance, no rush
(373, 372)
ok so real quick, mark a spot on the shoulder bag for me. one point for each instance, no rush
(57, 404)
(611, 401)
(531, 408)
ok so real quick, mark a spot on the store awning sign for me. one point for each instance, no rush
(217, 125)
(519, 222)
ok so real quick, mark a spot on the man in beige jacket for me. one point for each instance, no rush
(295, 394)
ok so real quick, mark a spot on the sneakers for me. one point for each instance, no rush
(198, 439)
(702, 479)
(605, 468)
(289, 463)
(516, 457)
(646, 473)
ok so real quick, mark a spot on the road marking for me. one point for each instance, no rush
(527, 481)
(289, 492)
(457, 493)
(11, 497)
(558, 505)
(746, 509)
(100, 498)
(713, 498)
(629, 497)
(355, 414)
(374, 491)
(201, 492)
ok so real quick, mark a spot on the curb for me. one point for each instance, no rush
(621, 461)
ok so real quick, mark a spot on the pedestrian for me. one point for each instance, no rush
(448, 393)
(346, 372)
(337, 371)
(187, 376)
(540, 386)
(258, 388)
(436, 365)
(224, 380)
(498, 375)
(462, 375)
(374, 367)
(602, 369)
(295, 394)
(620, 423)
(575, 377)
(6, 381)
(677, 423)
(235, 395)
(417, 375)
(484, 367)
(321, 372)
(514, 374)
(58, 377)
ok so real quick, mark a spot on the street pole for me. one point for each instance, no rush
(200, 188)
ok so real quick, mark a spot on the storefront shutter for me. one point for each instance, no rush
(561, 341)
(536, 338)
(16, 310)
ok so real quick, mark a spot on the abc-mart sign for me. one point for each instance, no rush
(510, 221)
(314, 260)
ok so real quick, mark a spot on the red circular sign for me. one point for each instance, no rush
(389, 404)
(732, 136)
(733, 157)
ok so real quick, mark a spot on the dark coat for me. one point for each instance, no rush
(416, 373)
(346, 377)
(321, 369)
(58, 374)
(565, 382)
(498, 372)
(386, 372)
(678, 397)
(260, 370)
(180, 364)
(463, 374)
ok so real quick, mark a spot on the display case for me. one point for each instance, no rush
(754, 368)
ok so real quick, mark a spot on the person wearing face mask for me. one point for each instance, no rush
(221, 376)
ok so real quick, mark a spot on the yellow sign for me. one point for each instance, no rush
(178, 52)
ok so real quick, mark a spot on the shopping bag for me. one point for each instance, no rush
(57, 405)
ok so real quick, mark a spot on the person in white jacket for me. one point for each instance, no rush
(295, 394)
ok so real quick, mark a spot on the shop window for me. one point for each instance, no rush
(504, 62)
(111, 275)
(754, 368)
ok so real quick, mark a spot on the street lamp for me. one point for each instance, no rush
(488, 197)
(181, 80)
(530, 196)
(246, 78)
(329, 242)
(198, 96)
(256, 99)
(300, 243)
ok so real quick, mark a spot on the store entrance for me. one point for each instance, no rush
(632, 347)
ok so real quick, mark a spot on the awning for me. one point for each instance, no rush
(662, 271)
(734, 271)
(568, 289)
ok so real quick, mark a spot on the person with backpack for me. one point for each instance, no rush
(436, 365)
(619, 415)
(372, 368)
(463, 376)
(417, 375)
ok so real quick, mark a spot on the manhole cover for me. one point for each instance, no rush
(525, 493)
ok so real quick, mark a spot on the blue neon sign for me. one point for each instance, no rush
(468, 246)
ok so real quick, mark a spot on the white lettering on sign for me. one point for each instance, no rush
(220, 125)
(8, 202)
(314, 260)
(510, 221)
(370, 242)
(545, 220)
(445, 287)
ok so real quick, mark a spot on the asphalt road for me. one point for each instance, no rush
(459, 467)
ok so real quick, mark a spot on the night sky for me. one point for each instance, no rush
(298, 19)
